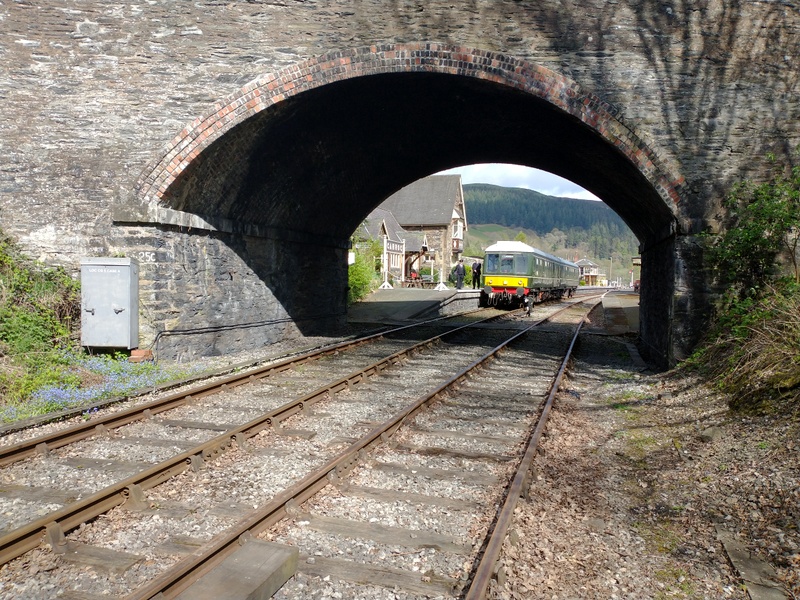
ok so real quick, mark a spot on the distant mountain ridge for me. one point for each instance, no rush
(518, 207)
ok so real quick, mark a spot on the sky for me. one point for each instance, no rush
(520, 177)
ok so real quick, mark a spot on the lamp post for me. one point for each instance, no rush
(610, 269)
(385, 265)
(403, 264)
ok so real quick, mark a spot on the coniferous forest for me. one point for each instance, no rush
(567, 227)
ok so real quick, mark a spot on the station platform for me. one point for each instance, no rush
(621, 313)
(399, 305)
(404, 304)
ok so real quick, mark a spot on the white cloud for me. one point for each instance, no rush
(520, 177)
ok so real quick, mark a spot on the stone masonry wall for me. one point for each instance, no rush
(92, 90)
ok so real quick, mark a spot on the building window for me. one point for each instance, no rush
(458, 230)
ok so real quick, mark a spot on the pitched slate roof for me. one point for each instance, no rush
(426, 202)
(414, 241)
(376, 221)
(380, 220)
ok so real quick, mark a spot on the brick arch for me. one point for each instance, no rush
(229, 170)
(271, 89)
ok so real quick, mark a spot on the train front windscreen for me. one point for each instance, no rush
(497, 263)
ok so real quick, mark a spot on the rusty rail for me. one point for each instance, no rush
(176, 580)
(485, 570)
(29, 536)
(81, 431)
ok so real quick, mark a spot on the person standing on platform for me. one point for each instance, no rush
(460, 272)
(476, 275)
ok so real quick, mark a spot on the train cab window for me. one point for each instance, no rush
(507, 263)
(521, 263)
(492, 263)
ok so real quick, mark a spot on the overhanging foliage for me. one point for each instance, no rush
(753, 352)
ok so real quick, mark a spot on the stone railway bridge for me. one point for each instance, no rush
(232, 147)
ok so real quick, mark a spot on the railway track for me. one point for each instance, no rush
(245, 452)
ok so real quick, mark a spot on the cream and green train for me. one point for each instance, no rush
(515, 274)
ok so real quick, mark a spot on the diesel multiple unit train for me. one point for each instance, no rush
(517, 275)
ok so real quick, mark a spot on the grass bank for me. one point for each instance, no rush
(753, 350)
(43, 368)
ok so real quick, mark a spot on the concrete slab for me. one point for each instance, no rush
(386, 534)
(426, 585)
(100, 559)
(28, 493)
(72, 595)
(759, 577)
(253, 572)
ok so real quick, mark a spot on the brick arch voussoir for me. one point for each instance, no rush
(272, 88)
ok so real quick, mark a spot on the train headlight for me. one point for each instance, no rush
(519, 282)
(505, 282)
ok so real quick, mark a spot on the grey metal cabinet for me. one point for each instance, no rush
(110, 302)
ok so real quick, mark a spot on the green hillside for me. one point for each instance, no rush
(566, 227)
(478, 237)
(518, 207)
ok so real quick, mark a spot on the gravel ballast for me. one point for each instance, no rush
(643, 488)
(643, 476)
